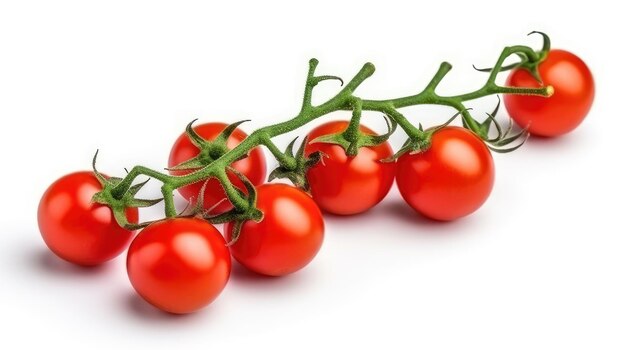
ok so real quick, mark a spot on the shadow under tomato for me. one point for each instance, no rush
(393, 210)
(242, 276)
(398, 209)
(43, 260)
(143, 310)
(558, 143)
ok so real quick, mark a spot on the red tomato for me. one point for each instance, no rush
(562, 112)
(76, 229)
(288, 237)
(179, 265)
(253, 167)
(451, 179)
(349, 185)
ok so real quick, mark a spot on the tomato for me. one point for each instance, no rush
(179, 265)
(562, 112)
(253, 166)
(288, 237)
(348, 185)
(76, 229)
(450, 179)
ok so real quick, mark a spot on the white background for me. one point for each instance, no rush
(540, 266)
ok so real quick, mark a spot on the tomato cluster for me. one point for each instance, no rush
(182, 264)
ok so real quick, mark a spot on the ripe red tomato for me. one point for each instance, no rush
(348, 185)
(76, 229)
(288, 237)
(179, 265)
(562, 112)
(253, 167)
(451, 179)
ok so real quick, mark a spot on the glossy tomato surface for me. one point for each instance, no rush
(562, 112)
(253, 167)
(288, 237)
(349, 185)
(76, 229)
(451, 179)
(179, 265)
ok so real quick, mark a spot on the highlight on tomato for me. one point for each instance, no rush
(286, 239)
(451, 179)
(252, 167)
(346, 185)
(569, 105)
(75, 228)
(179, 265)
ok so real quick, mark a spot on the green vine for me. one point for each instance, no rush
(119, 193)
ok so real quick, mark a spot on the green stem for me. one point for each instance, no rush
(343, 100)
(404, 123)
(285, 161)
(353, 132)
(231, 192)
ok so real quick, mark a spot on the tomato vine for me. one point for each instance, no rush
(118, 193)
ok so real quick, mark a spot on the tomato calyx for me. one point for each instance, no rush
(353, 138)
(296, 168)
(420, 141)
(120, 205)
(209, 150)
(238, 216)
(531, 64)
(504, 136)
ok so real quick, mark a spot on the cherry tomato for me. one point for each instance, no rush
(76, 229)
(449, 180)
(348, 185)
(288, 237)
(179, 265)
(253, 166)
(562, 112)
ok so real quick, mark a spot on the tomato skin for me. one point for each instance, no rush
(562, 112)
(253, 166)
(179, 265)
(287, 239)
(76, 229)
(451, 179)
(349, 185)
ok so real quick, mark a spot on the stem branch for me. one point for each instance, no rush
(343, 100)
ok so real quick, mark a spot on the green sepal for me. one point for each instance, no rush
(143, 203)
(321, 78)
(120, 205)
(502, 138)
(222, 138)
(195, 139)
(297, 174)
(210, 150)
(422, 142)
(191, 164)
(483, 129)
(525, 62)
(198, 208)
(352, 146)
